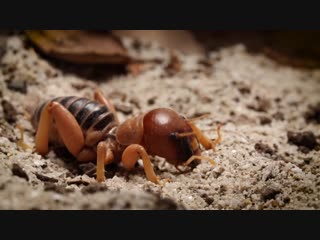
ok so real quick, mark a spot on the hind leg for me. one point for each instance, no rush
(42, 135)
(67, 126)
(98, 96)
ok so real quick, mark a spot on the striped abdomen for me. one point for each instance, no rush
(90, 115)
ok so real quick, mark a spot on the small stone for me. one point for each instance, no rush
(45, 178)
(218, 172)
(268, 193)
(10, 113)
(264, 148)
(313, 114)
(151, 101)
(261, 105)
(304, 140)
(81, 180)
(126, 109)
(207, 199)
(17, 85)
(278, 116)
(50, 186)
(265, 120)
(286, 200)
(244, 89)
(18, 171)
(93, 188)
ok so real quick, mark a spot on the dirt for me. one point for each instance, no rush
(258, 165)
(313, 113)
(264, 148)
(305, 140)
(9, 111)
(18, 171)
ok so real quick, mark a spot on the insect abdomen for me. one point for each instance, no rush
(89, 114)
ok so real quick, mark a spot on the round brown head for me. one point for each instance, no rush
(163, 131)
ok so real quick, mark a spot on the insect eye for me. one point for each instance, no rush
(173, 136)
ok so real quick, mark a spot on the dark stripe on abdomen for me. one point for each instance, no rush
(87, 113)
(64, 101)
(87, 108)
(75, 106)
(103, 122)
(36, 115)
(93, 117)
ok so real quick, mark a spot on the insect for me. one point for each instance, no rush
(90, 130)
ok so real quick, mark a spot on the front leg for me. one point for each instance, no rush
(131, 155)
(104, 156)
(203, 139)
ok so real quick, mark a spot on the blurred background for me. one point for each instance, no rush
(295, 48)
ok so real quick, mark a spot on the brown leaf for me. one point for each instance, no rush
(295, 48)
(180, 40)
(79, 46)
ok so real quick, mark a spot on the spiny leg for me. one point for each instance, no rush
(21, 142)
(104, 157)
(195, 157)
(98, 96)
(42, 135)
(68, 128)
(204, 140)
(131, 155)
(206, 115)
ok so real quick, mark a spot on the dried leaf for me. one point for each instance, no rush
(180, 40)
(79, 46)
(301, 47)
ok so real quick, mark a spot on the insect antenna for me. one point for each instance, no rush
(206, 115)
(187, 134)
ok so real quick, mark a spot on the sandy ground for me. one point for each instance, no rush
(269, 157)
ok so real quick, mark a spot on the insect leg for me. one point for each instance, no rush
(21, 143)
(68, 128)
(204, 140)
(131, 155)
(42, 135)
(98, 96)
(195, 157)
(104, 157)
